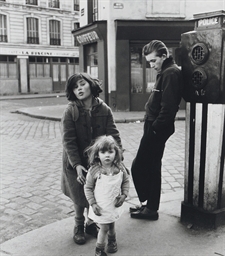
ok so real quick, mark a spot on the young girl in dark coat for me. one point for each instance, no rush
(85, 118)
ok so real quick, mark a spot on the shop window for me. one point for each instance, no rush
(8, 67)
(62, 59)
(76, 5)
(3, 28)
(31, 2)
(53, 3)
(73, 66)
(39, 67)
(143, 77)
(91, 59)
(32, 31)
(54, 32)
(136, 69)
(55, 59)
(76, 26)
(95, 10)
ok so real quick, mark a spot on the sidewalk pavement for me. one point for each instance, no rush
(167, 236)
(54, 113)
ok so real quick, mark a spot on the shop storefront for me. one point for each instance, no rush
(93, 52)
(33, 71)
(134, 78)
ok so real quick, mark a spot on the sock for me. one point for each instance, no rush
(79, 221)
(100, 247)
(112, 237)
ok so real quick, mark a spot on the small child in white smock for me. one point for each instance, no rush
(107, 186)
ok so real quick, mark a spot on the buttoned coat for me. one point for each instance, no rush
(79, 128)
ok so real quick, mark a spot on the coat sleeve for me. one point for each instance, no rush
(171, 97)
(69, 137)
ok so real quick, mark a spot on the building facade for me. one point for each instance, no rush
(112, 34)
(37, 49)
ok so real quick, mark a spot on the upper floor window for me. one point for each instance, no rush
(95, 10)
(3, 28)
(53, 3)
(76, 5)
(54, 32)
(32, 31)
(31, 2)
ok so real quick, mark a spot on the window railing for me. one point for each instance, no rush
(33, 40)
(55, 41)
(3, 38)
(31, 2)
(53, 4)
(76, 7)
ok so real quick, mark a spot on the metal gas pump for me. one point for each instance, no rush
(203, 67)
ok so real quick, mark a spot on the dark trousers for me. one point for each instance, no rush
(146, 167)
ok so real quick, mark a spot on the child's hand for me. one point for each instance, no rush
(80, 176)
(120, 200)
(96, 209)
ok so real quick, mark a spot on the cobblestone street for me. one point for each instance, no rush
(30, 167)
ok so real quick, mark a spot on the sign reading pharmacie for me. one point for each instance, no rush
(39, 52)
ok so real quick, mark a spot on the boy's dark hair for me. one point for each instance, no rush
(94, 84)
(155, 46)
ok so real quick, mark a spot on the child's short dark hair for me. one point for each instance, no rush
(103, 143)
(94, 84)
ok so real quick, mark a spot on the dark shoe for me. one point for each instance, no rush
(145, 214)
(79, 237)
(137, 208)
(92, 229)
(100, 252)
(112, 246)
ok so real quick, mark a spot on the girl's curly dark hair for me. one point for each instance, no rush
(95, 85)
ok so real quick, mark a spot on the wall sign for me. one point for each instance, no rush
(208, 22)
(88, 37)
(39, 52)
(118, 6)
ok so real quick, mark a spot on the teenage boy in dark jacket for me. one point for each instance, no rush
(161, 109)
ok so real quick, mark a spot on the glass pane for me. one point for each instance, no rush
(63, 72)
(32, 70)
(32, 59)
(55, 73)
(70, 70)
(40, 70)
(12, 70)
(3, 70)
(94, 72)
(77, 69)
(3, 58)
(46, 70)
(150, 79)
(136, 70)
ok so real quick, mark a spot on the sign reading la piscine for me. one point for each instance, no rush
(39, 52)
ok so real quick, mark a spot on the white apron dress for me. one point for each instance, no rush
(107, 188)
